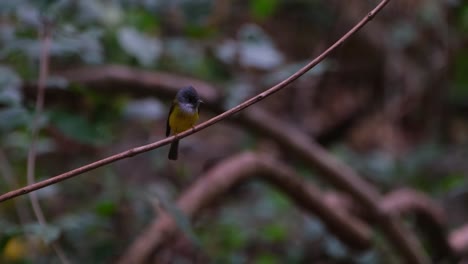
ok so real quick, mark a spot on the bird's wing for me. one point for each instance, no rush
(168, 127)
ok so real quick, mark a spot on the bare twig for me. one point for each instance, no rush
(255, 99)
(233, 171)
(43, 72)
(31, 163)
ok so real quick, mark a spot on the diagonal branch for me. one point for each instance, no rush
(256, 120)
(430, 219)
(341, 176)
(233, 171)
(255, 99)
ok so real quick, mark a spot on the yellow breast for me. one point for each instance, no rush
(180, 121)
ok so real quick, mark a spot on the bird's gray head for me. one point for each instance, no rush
(188, 98)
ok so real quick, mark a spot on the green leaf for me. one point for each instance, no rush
(452, 181)
(9, 86)
(231, 238)
(197, 31)
(12, 117)
(79, 128)
(274, 233)
(234, 238)
(460, 88)
(48, 233)
(106, 208)
(266, 258)
(143, 20)
(182, 221)
(279, 199)
(144, 48)
(262, 9)
(463, 18)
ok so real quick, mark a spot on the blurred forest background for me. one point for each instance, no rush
(391, 103)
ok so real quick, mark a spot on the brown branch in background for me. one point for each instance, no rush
(340, 175)
(407, 201)
(458, 240)
(238, 108)
(134, 81)
(292, 140)
(342, 200)
(45, 41)
(141, 83)
(117, 78)
(430, 219)
(237, 169)
(107, 75)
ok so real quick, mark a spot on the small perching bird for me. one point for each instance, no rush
(182, 116)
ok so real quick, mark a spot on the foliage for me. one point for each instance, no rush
(244, 48)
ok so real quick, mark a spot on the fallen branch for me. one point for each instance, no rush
(233, 171)
(407, 201)
(430, 219)
(342, 176)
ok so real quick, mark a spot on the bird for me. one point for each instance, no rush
(183, 115)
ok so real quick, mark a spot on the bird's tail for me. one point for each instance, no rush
(174, 150)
